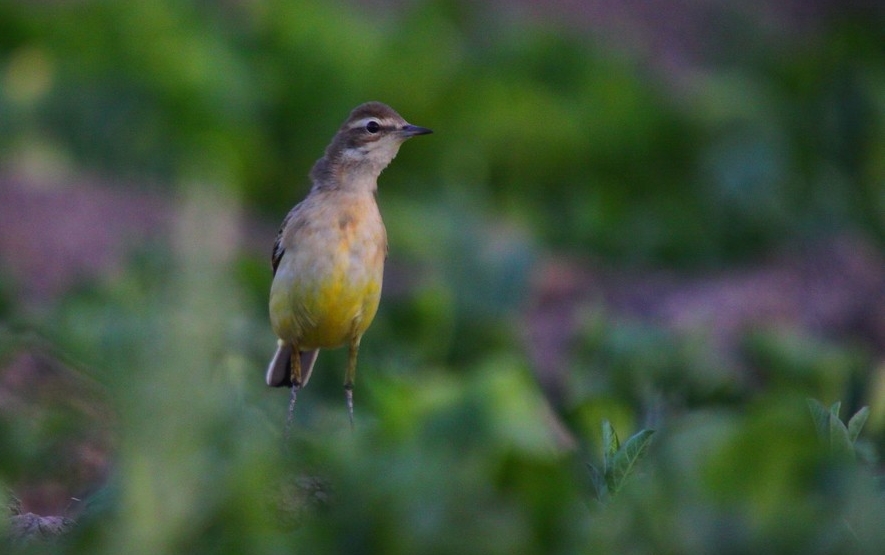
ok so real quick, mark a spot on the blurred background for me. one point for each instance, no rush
(665, 214)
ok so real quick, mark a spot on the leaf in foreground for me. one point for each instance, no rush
(627, 457)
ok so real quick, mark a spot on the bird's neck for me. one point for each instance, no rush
(345, 175)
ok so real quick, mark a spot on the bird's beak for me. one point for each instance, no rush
(413, 130)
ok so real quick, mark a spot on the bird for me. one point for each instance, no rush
(328, 257)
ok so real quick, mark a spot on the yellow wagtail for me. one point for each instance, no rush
(328, 258)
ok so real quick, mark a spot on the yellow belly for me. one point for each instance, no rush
(323, 313)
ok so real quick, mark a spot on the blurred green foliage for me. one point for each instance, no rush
(587, 148)
(544, 139)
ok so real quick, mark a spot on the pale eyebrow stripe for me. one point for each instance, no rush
(384, 123)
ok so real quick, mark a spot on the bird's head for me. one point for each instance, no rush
(365, 144)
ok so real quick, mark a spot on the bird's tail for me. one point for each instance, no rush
(279, 369)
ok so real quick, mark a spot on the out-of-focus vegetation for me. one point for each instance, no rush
(545, 141)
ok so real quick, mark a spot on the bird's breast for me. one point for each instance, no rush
(328, 284)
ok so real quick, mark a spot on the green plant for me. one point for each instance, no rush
(618, 461)
(839, 437)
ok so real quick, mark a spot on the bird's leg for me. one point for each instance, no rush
(295, 367)
(295, 376)
(350, 375)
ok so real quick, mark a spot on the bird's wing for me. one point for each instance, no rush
(278, 249)
(292, 223)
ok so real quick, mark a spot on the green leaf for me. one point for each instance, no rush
(835, 407)
(626, 459)
(865, 452)
(610, 445)
(598, 480)
(821, 418)
(856, 424)
(839, 442)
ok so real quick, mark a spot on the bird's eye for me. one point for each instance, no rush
(373, 127)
